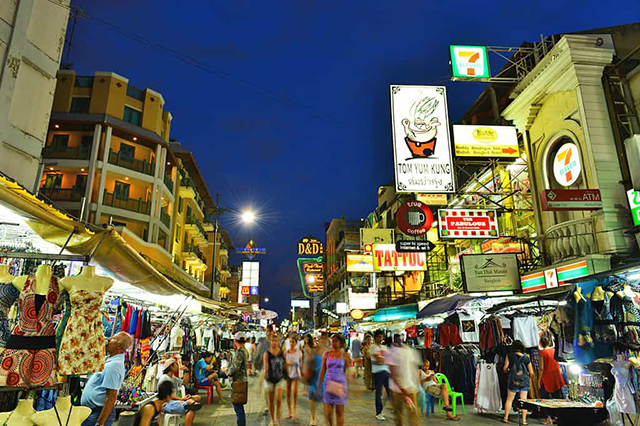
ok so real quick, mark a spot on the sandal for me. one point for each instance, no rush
(505, 420)
(454, 419)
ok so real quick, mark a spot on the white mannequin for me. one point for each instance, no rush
(48, 417)
(87, 280)
(43, 279)
(21, 416)
(5, 276)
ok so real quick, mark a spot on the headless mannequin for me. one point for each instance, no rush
(21, 416)
(86, 280)
(5, 276)
(42, 278)
(48, 417)
(578, 295)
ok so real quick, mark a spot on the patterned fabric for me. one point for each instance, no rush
(8, 296)
(66, 313)
(21, 364)
(85, 325)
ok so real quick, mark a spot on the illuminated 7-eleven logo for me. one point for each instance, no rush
(469, 61)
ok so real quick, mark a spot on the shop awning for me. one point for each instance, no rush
(393, 313)
(106, 247)
(443, 305)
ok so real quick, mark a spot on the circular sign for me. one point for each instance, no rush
(357, 314)
(414, 218)
(566, 164)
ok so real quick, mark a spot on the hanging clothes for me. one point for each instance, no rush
(525, 329)
(623, 391)
(29, 358)
(487, 395)
(85, 326)
(65, 302)
(449, 335)
(469, 332)
(8, 296)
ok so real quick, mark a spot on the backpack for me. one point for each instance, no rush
(518, 375)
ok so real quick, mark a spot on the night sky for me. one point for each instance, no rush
(286, 104)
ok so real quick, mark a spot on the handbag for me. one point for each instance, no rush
(239, 395)
(334, 388)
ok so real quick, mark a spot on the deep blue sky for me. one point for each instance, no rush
(295, 121)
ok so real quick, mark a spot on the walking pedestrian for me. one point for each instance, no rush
(334, 366)
(313, 362)
(551, 380)
(520, 371)
(294, 374)
(250, 345)
(380, 371)
(356, 354)
(366, 359)
(404, 363)
(274, 373)
(238, 376)
(264, 344)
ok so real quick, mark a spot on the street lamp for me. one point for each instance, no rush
(247, 217)
(266, 300)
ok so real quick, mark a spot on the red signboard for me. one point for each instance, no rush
(467, 223)
(414, 218)
(571, 199)
(245, 291)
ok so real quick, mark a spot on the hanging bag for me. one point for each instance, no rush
(518, 375)
(240, 391)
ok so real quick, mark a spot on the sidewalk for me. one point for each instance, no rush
(360, 411)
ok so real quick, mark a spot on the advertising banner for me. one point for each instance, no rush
(469, 62)
(490, 272)
(554, 277)
(421, 142)
(414, 218)
(359, 262)
(485, 141)
(571, 199)
(464, 223)
(376, 236)
(433, 199)
(364, 301)
(386, 258)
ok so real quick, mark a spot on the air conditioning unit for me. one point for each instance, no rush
(632, 146)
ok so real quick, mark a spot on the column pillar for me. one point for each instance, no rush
(93, 164)
(103, 175)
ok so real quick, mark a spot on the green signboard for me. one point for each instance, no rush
(469, 62)
(634, 203)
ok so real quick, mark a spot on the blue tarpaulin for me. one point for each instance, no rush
(444, 305)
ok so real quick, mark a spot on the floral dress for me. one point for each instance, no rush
(29, 358)
(8, 296)
(83, 343)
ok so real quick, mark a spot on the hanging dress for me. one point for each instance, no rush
(29, 359)
(623, 392)
(83, 343)
(8, 296)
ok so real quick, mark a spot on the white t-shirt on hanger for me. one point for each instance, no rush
(177, 334)
(469, 332)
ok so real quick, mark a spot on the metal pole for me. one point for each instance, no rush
(215, 244)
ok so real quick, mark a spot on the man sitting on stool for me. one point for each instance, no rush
(186, 405)
(205, 376)
(431, 387)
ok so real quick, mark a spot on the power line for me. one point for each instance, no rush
(189, 60)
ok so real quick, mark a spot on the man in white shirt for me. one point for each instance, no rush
(404, 363)
(380, 372)
(186, 405)
(431, 387)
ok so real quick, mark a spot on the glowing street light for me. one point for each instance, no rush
(248, 216)
(266, 300)
(311, 279)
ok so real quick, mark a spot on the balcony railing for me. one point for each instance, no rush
(127, 162)
(138, 206)
(568, 240)
(66, 153)
(196, 222)
(165, 218)
(63, 194)
(168, 183)
(188, 183)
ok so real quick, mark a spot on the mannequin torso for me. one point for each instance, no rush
(42, 280)
(87, 280)
(21, 416)
(75, 414)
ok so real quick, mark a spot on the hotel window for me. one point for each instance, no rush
(80, 104)
(133, 116)
(127, 152)
(59, 142)
(81, 182)
(121, 190)
(177, 233)
(179, 204)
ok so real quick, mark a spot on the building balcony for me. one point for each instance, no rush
(127, 162)
(570, 240)
(195, 228)
(66, 153)
(165, 218)
(137, 206)
(63, 194)
(168, 183)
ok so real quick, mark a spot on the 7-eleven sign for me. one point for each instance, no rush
(469, 62)
(567, 165)
(551, 278)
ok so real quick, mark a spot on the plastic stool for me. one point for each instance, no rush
(209, 390)
(173, 420)
(431, 404)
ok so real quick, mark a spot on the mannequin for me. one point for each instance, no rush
(82, 344)
(87, 280)
(598, 294)
(42, 280)
(21, 416)
(578, 295)
(5, 276)
(75, 414)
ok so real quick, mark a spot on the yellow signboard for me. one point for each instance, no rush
(486, 141)
(432, 199)
(359, 262)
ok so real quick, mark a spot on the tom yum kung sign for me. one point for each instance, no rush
(421, 141)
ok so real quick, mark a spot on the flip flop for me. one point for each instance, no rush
(288, 416)
(448, 409)
(454, 419)
(504, 421)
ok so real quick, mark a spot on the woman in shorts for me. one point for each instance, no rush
(274, 373)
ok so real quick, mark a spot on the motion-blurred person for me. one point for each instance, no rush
(366, 361)
(404, 363)
(274, 373)
(313, 365)
(293, 359)
(551, 380)
(520, 371)
(334, 366)
(250, 346)
(238, 375)
(380, 371)
(264, 343)
(431, 387)
(356, 354)
(205, 376)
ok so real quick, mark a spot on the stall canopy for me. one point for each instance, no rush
(444, 305)
(394, 313)
(104, 246)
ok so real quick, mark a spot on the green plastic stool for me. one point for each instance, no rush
(453, 396)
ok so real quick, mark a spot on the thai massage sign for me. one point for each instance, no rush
(567, 165)
(386, 258)
(464, 223)
(421, 142)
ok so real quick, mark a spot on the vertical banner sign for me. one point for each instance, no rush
(421, 141)
(311, 265)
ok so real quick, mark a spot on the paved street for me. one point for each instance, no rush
(360, 411)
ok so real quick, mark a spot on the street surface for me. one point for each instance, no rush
(360, 411)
